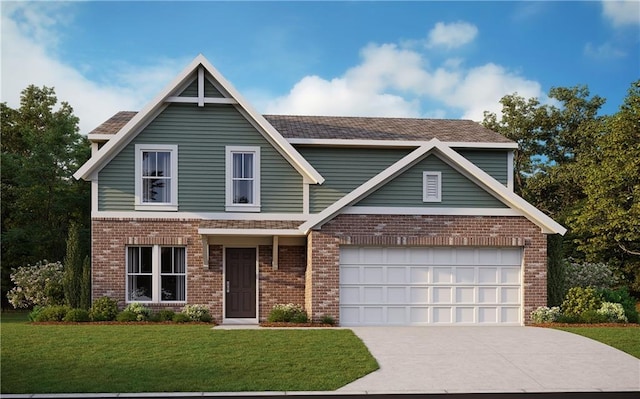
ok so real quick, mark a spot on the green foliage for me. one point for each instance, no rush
(609, 220)
(288, 313)
(580, 300)
(127, 316)
(41, 148)
(622, 297)
(141, 311)
(592, 317)
(164, 315)
(104, 309)
(33, 315)
(73, 272)
(52, 313)
(613, 312)
(555, 270)
(197, 313)
(40, 284)
(85, 293)
(326, 319)
(77, 315)
(588, 274)
(544, 314)
(181, 318)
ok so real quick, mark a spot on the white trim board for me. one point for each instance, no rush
(250, 232)
(199, 215)
(387, 210)
(397, 143)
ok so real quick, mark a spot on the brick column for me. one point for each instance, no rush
(322, 293)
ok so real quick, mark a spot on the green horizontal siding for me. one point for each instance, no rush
(344, 169)
(494, 162)
(210, 90)
(192, 89)
(406, 189)
(201, 134)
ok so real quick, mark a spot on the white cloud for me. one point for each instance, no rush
(391, 81)
(622, 12)
(30, 34)
(451, 35)
(603, 51)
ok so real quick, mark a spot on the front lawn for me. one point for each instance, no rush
(176, 358)
(627, 339)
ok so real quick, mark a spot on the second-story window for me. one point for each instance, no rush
(243, 179)
(156, 177)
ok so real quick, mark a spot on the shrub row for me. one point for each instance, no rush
(292, 313)
(106, 309)
(590, 305)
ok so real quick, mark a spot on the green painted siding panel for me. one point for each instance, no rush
(406, 189)
(210, 90)
(344, 169)
(191, 90)
(494, 162)
(201, 134)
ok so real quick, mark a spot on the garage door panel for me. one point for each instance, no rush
(421, 286)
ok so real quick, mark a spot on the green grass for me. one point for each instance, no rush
(175, 358)
(627, 339)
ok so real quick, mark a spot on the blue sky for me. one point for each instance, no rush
(414, 59)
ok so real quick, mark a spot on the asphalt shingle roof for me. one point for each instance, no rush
(357, 128)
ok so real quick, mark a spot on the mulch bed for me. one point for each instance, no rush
(139, 323)
(284, 324)
(551, 325)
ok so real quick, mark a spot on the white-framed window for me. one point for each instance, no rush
(431, 186)
(156, 177)
(156, 274)
(243, 179)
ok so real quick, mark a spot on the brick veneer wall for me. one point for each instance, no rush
(322, 280)
(284, 285)
(111, 236)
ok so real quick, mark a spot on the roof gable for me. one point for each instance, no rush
(181, 91)
(459, 163)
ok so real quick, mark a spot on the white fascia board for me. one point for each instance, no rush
(99, 137)
(389, 210)
(369, 186)
(285, 148)
(251, 232)
(198, 215)
(548, 225)
(113, 146)
(395, 143)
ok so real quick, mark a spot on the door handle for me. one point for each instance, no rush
(227, 287)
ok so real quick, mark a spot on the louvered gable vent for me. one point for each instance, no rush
(432, 187)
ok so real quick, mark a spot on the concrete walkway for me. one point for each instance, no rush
(491, 359)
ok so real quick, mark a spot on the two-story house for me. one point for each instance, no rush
(200, 199)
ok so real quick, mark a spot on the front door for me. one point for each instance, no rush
(241, 283)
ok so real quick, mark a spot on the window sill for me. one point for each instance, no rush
(242, 208)
(162, 207)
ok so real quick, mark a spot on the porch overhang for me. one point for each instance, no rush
(253, 228)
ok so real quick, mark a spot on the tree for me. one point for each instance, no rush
(609, 220)
(41, 148)
(73, 269)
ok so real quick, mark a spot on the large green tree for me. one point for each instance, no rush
(41, 148)
(608, 222)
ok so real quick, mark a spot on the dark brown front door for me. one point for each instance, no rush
(241, 282)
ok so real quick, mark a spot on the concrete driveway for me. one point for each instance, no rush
(491, 359)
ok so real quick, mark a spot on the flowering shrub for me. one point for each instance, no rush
(580, 300)
(40, 284)
(141, 311)
(544, 314)
(289, 313)
(586, 274)
(104, 309)
(614, 312)
(197, 313)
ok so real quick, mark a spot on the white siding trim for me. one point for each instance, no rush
(396, 143)
(200, 86)
(305, 198)
(198, 215)
(94, 193)
(205, 100)
(251, 232)
(384, 210)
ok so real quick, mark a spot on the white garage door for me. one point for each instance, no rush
(427, 286)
